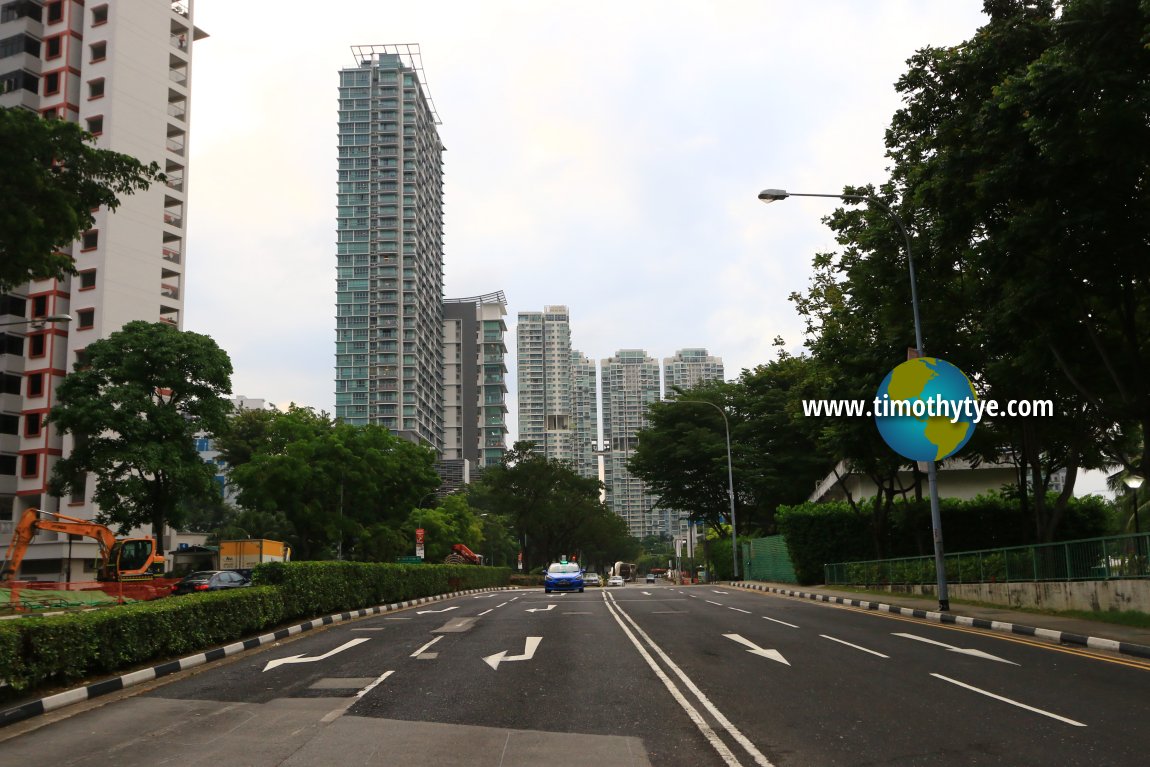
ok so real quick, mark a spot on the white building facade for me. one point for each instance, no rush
(629, 384)
(475, 380)
(123, 71)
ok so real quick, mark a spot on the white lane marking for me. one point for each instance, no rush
(645, 593)
(334, 714)
(952, 648)
(720, 592)
(848, 644)
(692, 713)
(429, 644)
(776, 620)
(754, 649)
(303, 659)
(512, 599)
(399, 618)
(486, 611)
(485, 596)
(743, 740)
(529, 648)
(369, 628)
(499, 605)
(1008, 700)
(720, 604)
(444, 610)
(748, 612)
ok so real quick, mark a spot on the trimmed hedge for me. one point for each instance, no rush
(61, 649)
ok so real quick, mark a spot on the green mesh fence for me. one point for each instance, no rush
(766, 559)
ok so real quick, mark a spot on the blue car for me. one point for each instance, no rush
(563, 576)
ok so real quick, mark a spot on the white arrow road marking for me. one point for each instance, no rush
(848, 644)
(776, 620)
(645, 593)
(501, 657)
(1008, 700)
(302, 659)
(429, 644)
(756, 650)
(425, 612)
(539, 609)
(952, 648)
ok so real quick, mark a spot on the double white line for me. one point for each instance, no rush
(712, 737)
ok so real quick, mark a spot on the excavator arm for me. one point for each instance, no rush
(35, 520)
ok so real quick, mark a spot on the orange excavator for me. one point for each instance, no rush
(123, 559)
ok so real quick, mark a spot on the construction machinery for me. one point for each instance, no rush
(461, 555)
(121, 559)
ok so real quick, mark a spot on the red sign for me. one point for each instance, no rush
(419, 535)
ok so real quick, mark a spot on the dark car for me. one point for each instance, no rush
(210, 580)
(563, 576)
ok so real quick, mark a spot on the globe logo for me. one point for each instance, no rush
(924, 409)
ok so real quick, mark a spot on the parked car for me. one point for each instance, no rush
(563, 576)
(210, 580)
(650, 577)
(592, 579)
(615, 580)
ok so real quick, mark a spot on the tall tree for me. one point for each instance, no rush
(51, 178)
(133, 407)
(340, 486)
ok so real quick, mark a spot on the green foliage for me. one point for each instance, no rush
(51, 178)
(341, 488)
(824, 533)
(134, 407)
(556, 511)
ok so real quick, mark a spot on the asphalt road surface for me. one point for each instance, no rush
(639, 675)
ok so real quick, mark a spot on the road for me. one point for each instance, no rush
(639, 675)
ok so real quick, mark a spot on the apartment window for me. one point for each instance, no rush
(8, 465)
(96, 125)
(85, 318)
(9, 423)
(90, 240)
(30, 464)
(13, 81)
(39, 307)
(81, 359)
(33, 422)
(87, 279)
(9, 383)
(51, 83)
(53, 47)
(35, 384)
(99, 51)
(55, 11)
(96, 88)
(99, 15)
(78, 491)
(12, 344)
(17, 44)
(19, 10)
(36, 345)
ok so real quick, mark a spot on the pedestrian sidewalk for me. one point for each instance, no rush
(1127, 640)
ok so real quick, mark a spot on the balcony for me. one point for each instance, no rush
(171, 254)
(170, 291)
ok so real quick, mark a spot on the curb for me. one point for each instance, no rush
(1063, 637)
(115, 684)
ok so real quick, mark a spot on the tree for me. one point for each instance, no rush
(554, 510)
(133, 408)
(346, 490)
(51, 178)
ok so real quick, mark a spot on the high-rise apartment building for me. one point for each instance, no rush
(475, 380)
(688, 368)
(552, 389)
(630, 383)
(389, 251)
(122, 70)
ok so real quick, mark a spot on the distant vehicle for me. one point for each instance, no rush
(616, 580)
(563, 576)
(650, 577)
(210, 580)
(628, 571)
(592, 579)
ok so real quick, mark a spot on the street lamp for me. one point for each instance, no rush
(773, 195)
(39, 322)
(730, 477)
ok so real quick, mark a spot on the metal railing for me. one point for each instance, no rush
(1092, 559)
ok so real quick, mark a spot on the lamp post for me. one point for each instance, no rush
(1133, 482)
(773, 195)
(730, 477)
(39, 322)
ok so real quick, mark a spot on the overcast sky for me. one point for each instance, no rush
(602, 154)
